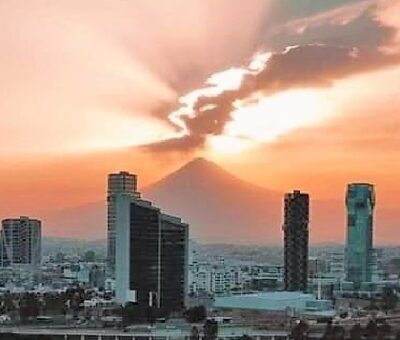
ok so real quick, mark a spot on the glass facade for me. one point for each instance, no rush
(158, 258)
(360, 203)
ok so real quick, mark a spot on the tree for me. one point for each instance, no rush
(389, 299)
(194, 333)
(384, 330)
(29, 306)
(333, 332)
(328, 330)
(356, 332)
(195, 314)
(371, 330)
(90, 256)
(338, 332)
(372, 305)
(60, 257)
(210, 330)
(299, 332)
(9, 303)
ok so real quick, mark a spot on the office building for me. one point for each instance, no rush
(21, 242)
(360, 203)
(122, 182)
(295, 228)
(336, 267)
(151, 256)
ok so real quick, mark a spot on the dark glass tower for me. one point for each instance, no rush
(151, 257)
(295, 228)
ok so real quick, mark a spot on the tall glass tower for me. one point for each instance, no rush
(360, 203)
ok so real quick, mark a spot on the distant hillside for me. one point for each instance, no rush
(219, 206)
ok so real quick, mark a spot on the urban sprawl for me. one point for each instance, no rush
(154, 282)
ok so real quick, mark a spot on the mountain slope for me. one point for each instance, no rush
(219, 206)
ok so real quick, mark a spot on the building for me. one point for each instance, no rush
(21, 244)
(122, 182)
(335, 262)
(151, 256)
(360, 203)
(21, 241)
(295, 228)
(316, 266)
(265, 278)
(289, 303)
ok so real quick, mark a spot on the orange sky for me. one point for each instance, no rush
(84, 84)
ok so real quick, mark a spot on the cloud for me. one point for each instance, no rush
(388, 14)
(85, 75)
(314, 65)
(317, 64)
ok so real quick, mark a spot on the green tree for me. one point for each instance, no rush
(389, 299)
(194, 333)
(338, 333)
(299, 332)
(384, 330)
(328, 330)
(210, 330)
(60, 257)
(371, 330)
(90, 256)
(196, 314)
(29, 307)
(356, 332)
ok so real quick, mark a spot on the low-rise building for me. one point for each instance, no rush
(292, 303)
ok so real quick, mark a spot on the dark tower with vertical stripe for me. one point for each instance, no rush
(295, 228)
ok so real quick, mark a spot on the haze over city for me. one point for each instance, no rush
(252, 100)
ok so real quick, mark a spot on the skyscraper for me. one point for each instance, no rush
(122, 182)
(360, 203)
(295, 229)
(21, 242)
(151, 256)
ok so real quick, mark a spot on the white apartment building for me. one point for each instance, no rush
(21, 244)
(118, 183)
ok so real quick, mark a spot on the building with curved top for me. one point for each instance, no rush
(360, 203)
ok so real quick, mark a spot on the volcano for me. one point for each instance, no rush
(219, 206)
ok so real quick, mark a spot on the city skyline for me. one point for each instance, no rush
(284, 94)
(200, 169)
(124, 182)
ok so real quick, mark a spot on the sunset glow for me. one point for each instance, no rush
(283, 94)
(271, 117)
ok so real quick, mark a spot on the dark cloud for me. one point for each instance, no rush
(363, 32)
(179, 144)
(349, 49)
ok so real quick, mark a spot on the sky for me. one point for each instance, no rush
(283, 93)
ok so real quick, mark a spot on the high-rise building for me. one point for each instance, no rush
(21, 242)
(151, 256)
(118, 183)
(295, 227)
(360, 203)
